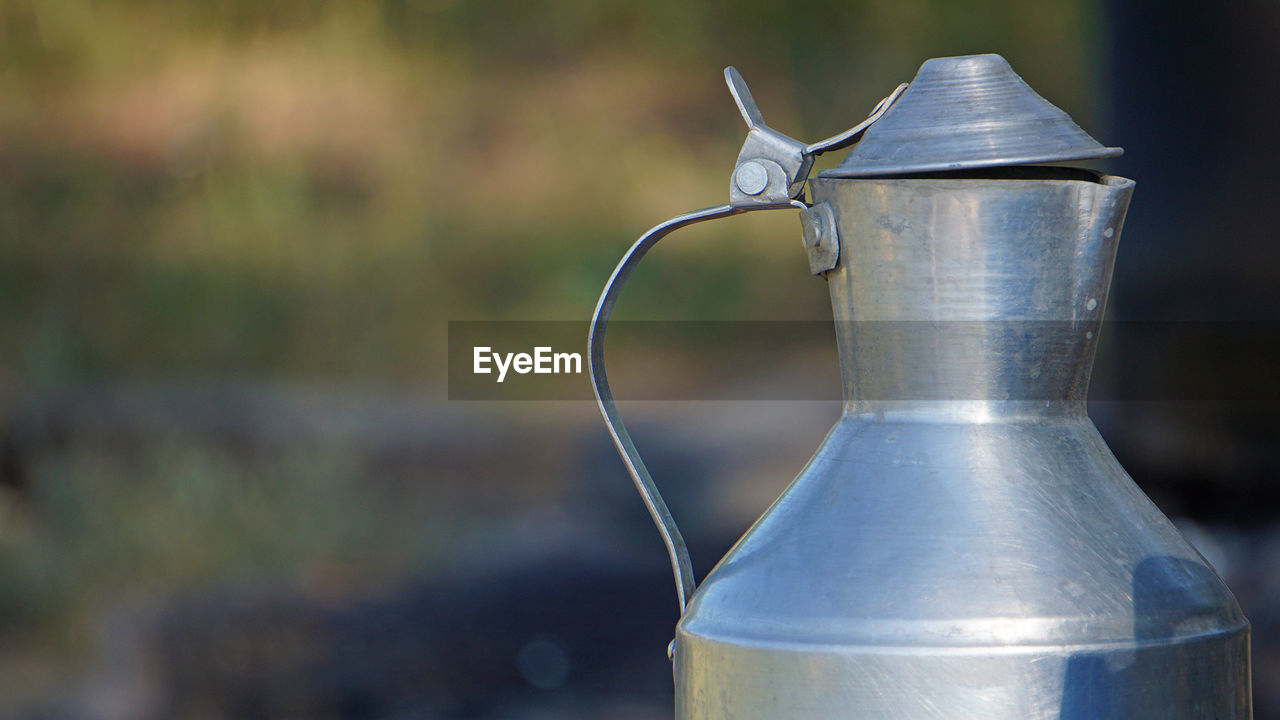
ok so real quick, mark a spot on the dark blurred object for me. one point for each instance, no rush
(510, 642)
(1192, 100)
(547, 607)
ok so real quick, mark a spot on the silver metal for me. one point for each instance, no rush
(821, 238)
(677, 551)
(762, 155)
(854, 134)
(786, 162)
(766, 145)
(963, 544)
(968, 112)
(751, 177)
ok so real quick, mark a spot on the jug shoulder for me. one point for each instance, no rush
(937, 534)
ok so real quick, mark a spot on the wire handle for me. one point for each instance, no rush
(671, 537)
(769, 175)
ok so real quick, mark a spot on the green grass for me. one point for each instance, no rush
(104, 523)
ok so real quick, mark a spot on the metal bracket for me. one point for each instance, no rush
(772, 168)
(821, 238)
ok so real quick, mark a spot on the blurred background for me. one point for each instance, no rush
(232, 235)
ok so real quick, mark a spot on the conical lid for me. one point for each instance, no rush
(968, 112)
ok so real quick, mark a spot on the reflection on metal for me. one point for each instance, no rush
(968, 112)
(963, 544)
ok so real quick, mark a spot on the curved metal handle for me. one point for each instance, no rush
(671, 537)
(769, 175)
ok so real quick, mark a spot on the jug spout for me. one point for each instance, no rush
(972, 297)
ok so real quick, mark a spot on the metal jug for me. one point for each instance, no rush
(963, 544)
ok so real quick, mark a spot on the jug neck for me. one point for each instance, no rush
(971, 298)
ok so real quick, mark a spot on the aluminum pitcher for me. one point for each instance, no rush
(963, 544)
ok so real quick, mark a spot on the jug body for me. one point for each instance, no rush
(963, 544)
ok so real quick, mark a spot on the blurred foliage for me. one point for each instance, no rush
(105, 529)
(307, 192)
(296, 190)
(102, 526)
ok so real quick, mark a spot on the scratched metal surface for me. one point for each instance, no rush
(963, 543)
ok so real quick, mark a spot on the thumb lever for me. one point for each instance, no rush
(772, 167)
(742, 95)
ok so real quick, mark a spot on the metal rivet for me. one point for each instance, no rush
(813, 232)
(751, 177)
(821, 239)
